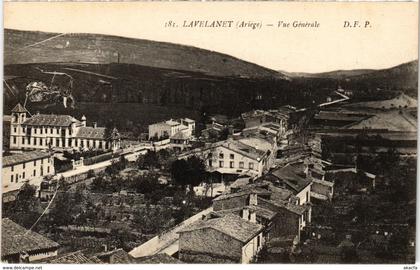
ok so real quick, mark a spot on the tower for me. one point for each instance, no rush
(19, 114)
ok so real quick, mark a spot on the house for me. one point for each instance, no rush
(117, 256)
(276, 208)
(45, 131)
(20, 245)
(77, 257)
(28, 167)
(279, 116)
(287, 178)
(169, 128)
(160, 258)
(233, 157)
(227, 239)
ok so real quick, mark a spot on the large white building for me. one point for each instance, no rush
(28, 167)
(44, 131)
(233, 157)
(167, 129)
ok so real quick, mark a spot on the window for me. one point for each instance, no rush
(41, 130)
(23, 175)
(251, 165)
(11, 179)
(210, 155)
(24, 129)
(42, 161)
(35, 139)
(14, 129)
(34, 172)
(221, 155)
(232, 156)
(232, 164)
(258, 241)
(34, 130)
(23, 140)
(210, 163)
(51, 130)
(41, 141)
(24, 165)
(57, 142)
(307, 196)
(241, 164)
(34, 162)
(48, 169)
(12, 168)
(17, 178)
(14, 139)
(221, 163)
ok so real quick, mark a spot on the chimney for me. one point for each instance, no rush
(253, 199)
(245, 213)
(95, 125)
(105, 247)
(84, 121)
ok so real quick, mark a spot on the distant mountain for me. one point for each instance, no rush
(407, 69)
(336, 74)
(24, 47)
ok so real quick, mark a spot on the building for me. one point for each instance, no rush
(281, 116)
(276, 209)
(227, 239)
(233, 157)
(77, 257)
(167, 129)
(18, 245)
(28, 167)
(44, 131)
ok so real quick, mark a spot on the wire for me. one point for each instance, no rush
(45, 210)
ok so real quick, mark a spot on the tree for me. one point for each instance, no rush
(150, 160)
(189, 172)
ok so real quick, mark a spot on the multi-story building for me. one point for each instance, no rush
(233, 157)
(169, 128)
(45, 131)
(29, 167)
(279, 116)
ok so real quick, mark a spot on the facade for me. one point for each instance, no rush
(232, 157)
(226, 239)
(169, 128)
(28, 167)
(20, 245)
(45, 131)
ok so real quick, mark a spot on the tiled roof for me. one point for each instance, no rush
(288, 176)
(118, 256)
(162, 258)
(24, 157)
(91, 133)
(262, 212)
(19, 108)
(179, 136)
(249, 191)
(14, 240)
(232, 225)
(391, 121)
(50, 120)
(293, 208)
(72, 258)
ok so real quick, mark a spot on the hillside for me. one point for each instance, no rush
(24, 47)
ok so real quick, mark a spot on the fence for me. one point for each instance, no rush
(97, 159)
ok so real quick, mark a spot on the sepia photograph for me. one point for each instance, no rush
(209, 133)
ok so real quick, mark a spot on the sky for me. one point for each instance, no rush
(390, 39)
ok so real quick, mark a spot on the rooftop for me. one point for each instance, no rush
(232, 225)
(118, 256)
(24, 157)
(19, 108)
(53, 120)
(92, 133)
(394, 120)
(288, 176)
(162, 258)
(72, 258)
(16, 239)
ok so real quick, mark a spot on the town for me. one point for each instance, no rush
(331, 183)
